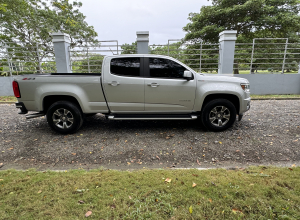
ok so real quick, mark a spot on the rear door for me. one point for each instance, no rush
(166, 91)
(124, 85)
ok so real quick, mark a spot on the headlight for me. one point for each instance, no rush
(245, 87)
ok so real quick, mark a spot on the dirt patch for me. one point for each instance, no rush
(269, 134)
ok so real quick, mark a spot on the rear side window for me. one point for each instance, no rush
(164, 68)
(125, 66)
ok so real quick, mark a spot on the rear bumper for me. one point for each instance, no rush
(22, 108)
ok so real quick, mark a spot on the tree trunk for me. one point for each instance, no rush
(236, 68)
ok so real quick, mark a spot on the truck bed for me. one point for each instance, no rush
(36, 89)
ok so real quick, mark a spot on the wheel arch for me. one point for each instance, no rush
(230, 97)
(50, 99)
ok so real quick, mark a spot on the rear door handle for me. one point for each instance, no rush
(153, 84)
(113, 83)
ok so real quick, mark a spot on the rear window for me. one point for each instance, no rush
(125, 66)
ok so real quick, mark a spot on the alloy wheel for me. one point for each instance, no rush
(219, 116)
(63, 118)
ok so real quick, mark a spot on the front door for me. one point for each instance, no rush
(123, 85)
(166, 91)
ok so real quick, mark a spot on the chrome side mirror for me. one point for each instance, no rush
(188, 75)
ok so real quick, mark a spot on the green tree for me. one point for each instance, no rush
(93, 64)
(27, 23)
(251, 19)
(174, 50)
(129, 49)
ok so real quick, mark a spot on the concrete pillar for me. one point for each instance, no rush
(61, 43)
(142, 39)
(227, 46)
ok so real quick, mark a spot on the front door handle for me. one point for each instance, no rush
(113, 83)
(153, 84)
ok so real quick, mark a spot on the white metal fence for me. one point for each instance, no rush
(262, 56)
(23, 58)
(88, 56)
(200, 56)
(267, 55)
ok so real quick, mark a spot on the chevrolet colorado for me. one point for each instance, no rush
(134, 87)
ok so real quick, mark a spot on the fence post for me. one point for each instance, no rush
(142, 42)
(61, 43)
(226, 52)
(284, 57)
(39, 59)
(8, 61)
(200, 64)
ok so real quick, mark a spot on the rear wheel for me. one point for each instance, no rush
(218, 115)
(64, 117)
(90, 114)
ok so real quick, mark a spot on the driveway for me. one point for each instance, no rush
(269, 134)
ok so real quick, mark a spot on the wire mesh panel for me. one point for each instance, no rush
(267, 55)
(87, 57)
(23, 58)
(199, 56)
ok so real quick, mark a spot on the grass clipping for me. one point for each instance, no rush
(253, 193)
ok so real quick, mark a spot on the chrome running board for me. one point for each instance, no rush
(35, 115)
(151, 117)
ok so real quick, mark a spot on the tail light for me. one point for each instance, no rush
(16, 89)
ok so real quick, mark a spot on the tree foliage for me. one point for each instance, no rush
(173, 49)
(251, 18)
(27, 23)
(34, 20)
(129, 49)
(93, 64)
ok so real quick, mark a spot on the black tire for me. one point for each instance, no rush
(90, 114)
(218, 115)
(64, 117)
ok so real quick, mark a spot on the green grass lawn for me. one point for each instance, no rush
(8, 99)
(266, 72)
(248, 72)
(274, 96)
(253, 193)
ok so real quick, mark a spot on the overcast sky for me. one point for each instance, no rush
(120, 19)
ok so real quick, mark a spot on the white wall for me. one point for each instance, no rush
(275, 84)
(6, 86)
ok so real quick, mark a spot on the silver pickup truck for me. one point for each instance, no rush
(134, 87)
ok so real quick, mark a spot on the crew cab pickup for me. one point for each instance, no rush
(134, 87)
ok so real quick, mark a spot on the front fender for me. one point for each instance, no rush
(208, 88)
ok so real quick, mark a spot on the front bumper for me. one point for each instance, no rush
(22, 108)
(245, 105)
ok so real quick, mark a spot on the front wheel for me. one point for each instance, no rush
(64, 117)
(218, 115)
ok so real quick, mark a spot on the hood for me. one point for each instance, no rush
(221, 78)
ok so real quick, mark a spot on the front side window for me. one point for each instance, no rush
(164, 68)
(125, 66)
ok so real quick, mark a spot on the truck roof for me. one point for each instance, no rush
(140, 55)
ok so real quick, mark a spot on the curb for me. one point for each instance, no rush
(236, 168)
